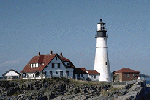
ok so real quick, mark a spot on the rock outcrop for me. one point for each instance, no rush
(69, 89)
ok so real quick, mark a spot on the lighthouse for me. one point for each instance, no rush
(101, 63)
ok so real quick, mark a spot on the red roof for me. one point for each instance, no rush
(80, 71)
(126, 70)
(92, 72)
(67, 60)
(64, 59)
(46, 59)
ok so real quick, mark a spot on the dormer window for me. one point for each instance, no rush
(36, 64)
(67, 63)
(31, 65)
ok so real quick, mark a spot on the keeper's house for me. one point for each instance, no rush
(50, 65)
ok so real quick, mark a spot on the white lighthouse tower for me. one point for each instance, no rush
(101, 63)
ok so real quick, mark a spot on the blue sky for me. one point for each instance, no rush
(69, 26)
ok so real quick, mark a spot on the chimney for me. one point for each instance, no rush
(60, 54)
(51, 52)
(39, 54)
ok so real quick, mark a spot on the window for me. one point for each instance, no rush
(58, 65)
(55, 65)
(78, 75)
(51, 73)
(56, 58)
(56, 72)
(52, 65)
(61, 73)
(45, 72)
(127, 75)
(67, 72)
(106, 63)
(31, 65)
(37, 64)
(94, 76)
(68, 64)
(134, 75)
(81, 75)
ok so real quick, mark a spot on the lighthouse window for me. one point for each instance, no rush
(106, 63)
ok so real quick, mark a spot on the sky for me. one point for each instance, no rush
(69, 26)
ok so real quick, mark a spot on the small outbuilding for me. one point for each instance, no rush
(80, 73)
(93, 75)
(125, 74)
(11, 74)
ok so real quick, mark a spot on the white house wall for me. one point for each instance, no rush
(56, 69)
(70, 72)
(92, 77)
(85, 76)
(49, 68)
(32, 76)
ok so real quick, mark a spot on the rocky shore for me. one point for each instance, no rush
(70, 89)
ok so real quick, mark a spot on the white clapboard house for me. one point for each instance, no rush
(47, 66)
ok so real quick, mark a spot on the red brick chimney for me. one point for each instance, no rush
(39, 54)
(51, 52)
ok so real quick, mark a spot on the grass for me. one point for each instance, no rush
(73, 82)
